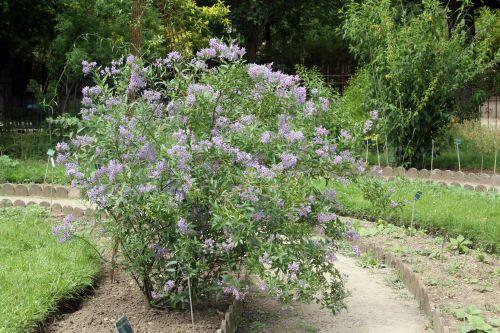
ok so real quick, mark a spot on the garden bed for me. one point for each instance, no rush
(457, 282)
(99, 312)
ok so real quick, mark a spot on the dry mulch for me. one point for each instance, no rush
(99, 312)
(453, 280)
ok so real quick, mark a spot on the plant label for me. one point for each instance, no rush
(123, 325)
(51, 152)
(418, 195)
(458, 141)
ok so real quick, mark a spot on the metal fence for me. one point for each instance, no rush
(490, 113)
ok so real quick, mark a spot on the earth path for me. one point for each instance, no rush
(373, 306)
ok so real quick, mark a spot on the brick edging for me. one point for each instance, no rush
(413, 282)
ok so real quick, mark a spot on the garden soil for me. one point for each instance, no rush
(99, 312)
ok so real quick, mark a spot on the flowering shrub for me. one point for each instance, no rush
(205, 168)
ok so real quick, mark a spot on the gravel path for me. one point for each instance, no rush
(373, 307)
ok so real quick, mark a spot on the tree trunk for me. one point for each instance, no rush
(136, 26)
(253, 40)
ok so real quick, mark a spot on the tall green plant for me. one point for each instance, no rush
(417, 68)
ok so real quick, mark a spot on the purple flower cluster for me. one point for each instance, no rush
(182, 155)
(64, 231)
(223, 51)
(81, 141)
(266, 137)
(288, 160)
(326, 217)
(159, 251)
(113, 169)
(367, 126)
(300, 95)
(227, 245)
(137, 80)
(63, 152)
(208, 244)
(183, 226)
(330, 257)
(265, 72)
(264, 259)
(231, 290)
(393, 204)
(169, 285)
(87, 66)
(96, 194)
(352, 235)
(147, 153)
(345, 135)
(294, 268)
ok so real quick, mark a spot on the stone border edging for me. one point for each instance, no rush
(454, 177)
(39, 190)
(56, 209)
(413, 282)
(229, 323)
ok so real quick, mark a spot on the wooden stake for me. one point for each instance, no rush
(495, 162)
(432, 157)
(386, 152)
(458, 156)
(366, 159)
(113, 260)
(378, 153)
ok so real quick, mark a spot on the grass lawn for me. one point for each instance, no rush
(451, 211)
(36, 271)
(31, 171)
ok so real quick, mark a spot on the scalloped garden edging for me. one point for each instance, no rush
(481, 182)
(60, 199)
(412, 282)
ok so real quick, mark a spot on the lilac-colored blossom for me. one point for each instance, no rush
(265, 137)
(352, 235)
(182, 226)
(87, 66)
(264, 259)
(300, 95)
(169, 285)
(288, 160)
(326, 217)
(367, 126)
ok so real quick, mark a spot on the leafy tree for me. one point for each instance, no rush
(289, 32)
(417, 68)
